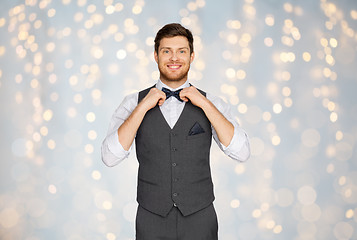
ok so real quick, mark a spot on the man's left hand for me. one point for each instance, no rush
(192, 94)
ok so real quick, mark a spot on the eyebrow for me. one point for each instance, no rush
(171, 48)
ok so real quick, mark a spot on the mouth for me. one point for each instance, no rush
(174, 66)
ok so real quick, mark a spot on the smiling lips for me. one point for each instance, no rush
(174, 66)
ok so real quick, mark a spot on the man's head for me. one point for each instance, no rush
(174, 54)
(173, 30)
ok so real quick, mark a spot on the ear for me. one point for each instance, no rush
(192, 56)
(156, 57)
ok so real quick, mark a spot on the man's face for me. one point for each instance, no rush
(174, 59)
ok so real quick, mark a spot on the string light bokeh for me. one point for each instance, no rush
(288, 69)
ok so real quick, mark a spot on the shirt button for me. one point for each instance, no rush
(174, 164)
(175, 179)
(174, 194)
(174, 149)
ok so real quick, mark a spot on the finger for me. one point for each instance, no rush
(185, 99)
(186, 95)
(183, 93)
(163, 95)
(162, 98)
(192, 88)
(161, 101)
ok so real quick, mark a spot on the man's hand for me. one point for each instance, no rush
(127, 131)
(154, 96)
(192, 94)
(223, 127)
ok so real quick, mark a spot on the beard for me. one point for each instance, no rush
(173, 77)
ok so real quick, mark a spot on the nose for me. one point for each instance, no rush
(173, 56)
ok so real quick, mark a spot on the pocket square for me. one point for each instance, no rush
(196, 129)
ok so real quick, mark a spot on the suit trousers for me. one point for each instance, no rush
(202, 225)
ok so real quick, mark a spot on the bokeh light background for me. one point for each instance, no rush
(288, 68)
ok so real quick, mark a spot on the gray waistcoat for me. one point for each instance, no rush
(174, 166)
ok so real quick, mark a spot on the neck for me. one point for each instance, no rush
(173, 84)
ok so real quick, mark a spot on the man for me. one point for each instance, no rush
(172, 124)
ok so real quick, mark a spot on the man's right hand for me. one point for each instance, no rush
(127, 131)
(154, 96)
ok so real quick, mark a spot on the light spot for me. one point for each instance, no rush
(343, 230)
(51, 144)
(269, 20)
(275, 140)
(121, 54)
(311, 213)
(310, 137)
(9, 218)
(306, 56)
(235, 203)
(96, 175)
(277, 108)
(47, 115)
(306, 195)
(52, 189)
(230, 73)
(257, 213)
(90, 117)
(111, 236)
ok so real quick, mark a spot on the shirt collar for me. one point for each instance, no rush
(160, 85)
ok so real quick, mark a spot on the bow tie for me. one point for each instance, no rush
(170, 93)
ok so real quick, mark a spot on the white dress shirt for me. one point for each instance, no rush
(113, 152)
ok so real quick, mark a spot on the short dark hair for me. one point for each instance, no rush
(173, 30)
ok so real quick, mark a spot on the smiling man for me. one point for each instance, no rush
(172, 124)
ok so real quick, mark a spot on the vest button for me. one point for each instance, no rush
(175, 205)
(174, 194)
(174, 149)
(174, 164)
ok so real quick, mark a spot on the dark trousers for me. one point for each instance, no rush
(201, 225)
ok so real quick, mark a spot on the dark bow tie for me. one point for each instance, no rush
(170, 93)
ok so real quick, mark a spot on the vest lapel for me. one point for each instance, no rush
(178, 120)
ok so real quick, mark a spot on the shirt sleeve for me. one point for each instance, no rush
(112, 151)
(239, 148)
